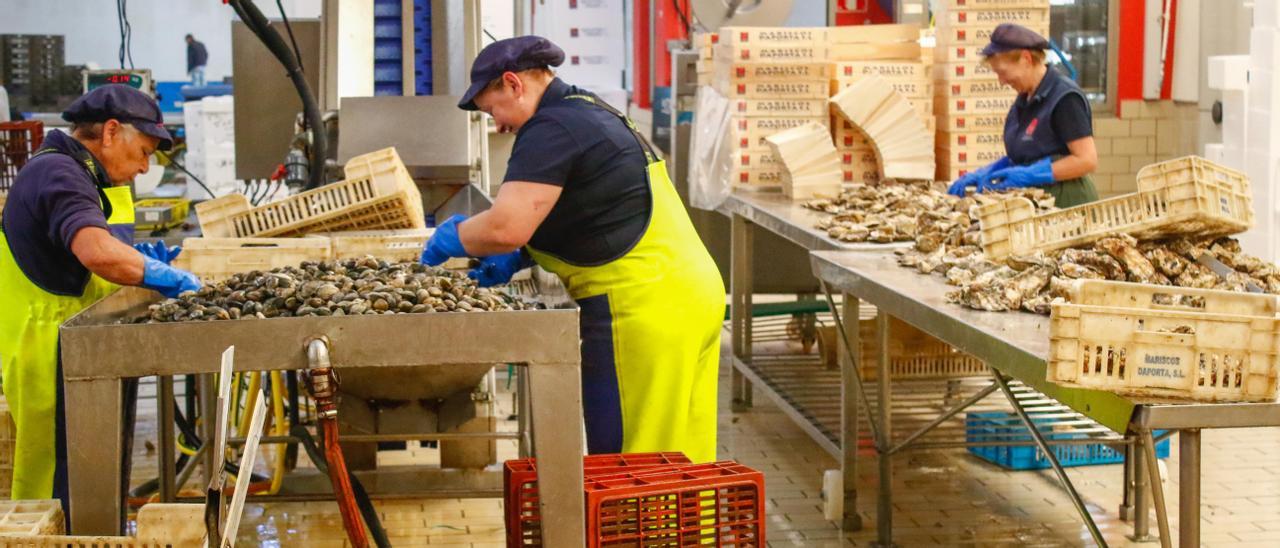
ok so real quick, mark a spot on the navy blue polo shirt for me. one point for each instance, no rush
(53, 197)
(605, 204)
(1071, 118)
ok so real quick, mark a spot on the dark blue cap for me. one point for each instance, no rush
(1008, 37)
(122, 103)
(510, 55)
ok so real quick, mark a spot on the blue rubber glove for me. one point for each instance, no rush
(1037, 174)
(499, 269)
(167, 280)
(444, 244)
(159, 251)
(978, 177)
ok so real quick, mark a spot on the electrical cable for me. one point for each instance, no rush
(258, 23)
(688, 27)
(289, 28)
(182, 168)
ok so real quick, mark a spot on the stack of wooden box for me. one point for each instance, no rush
(810, 166)
(706, 56)
(911, 78)
(891, 52)
(892, 125)
(776, 79)
(969, 101)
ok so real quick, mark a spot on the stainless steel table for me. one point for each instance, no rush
(795, 223)
(1016, 346)
(98, 352)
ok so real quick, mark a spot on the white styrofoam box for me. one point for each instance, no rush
(1266, 13)
(1264, 47)
(1235, 124)
(1228, 72)
(1213, 153)
(1262, 240)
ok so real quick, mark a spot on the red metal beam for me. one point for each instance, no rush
(1128, 68)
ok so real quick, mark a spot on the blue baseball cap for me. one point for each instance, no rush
(1008, 37)
(123, 103)
(510, 55)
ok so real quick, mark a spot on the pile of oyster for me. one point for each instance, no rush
(903, 212)
(1032, 282)
(341, 288)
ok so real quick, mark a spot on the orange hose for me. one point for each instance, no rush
(342, 485)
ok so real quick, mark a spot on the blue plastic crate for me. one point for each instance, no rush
(1002, 426)
(422, 47)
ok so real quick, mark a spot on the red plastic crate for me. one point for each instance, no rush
(18, 141)
(520, 498)
(720, 504)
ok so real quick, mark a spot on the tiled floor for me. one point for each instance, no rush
(941, 497)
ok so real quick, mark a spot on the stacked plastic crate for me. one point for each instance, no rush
(969, 101)
(647, 499)
(899, 60)
(776, 79)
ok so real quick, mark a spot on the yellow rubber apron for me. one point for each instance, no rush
(651, 323)
(29, 319)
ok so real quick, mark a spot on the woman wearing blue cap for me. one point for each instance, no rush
(67, 226)
(1048, 135)
(586, 198)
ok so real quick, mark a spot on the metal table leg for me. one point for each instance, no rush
(557, 417)
(1189, 488)
(884, 508)
(1139, 486)
(209, 410)
(850, 363)
(741, 287)
(92, 460)
(164, 414)
(1148, 448)
(1049, 454)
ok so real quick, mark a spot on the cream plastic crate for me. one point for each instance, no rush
(377, 194)
(392, 245)
(1149, 340)
(216, 259)
(913, 354)
(159, 526)
(1186, 196)
(31, 517)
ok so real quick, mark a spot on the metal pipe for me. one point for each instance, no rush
(884, 508)
(1157, 488)
(1053, 459)
(1189, 488)
(185, 474)
(354, 438)
(944, 417)
(857, 379)
(168, 441)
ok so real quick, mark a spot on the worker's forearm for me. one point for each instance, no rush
(485, 234)
(109, 258)
(1071, 167)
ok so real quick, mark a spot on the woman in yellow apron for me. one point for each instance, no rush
(586, 199)
(64, 244)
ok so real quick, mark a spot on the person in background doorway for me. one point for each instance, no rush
(197, 58)
(1048, 134)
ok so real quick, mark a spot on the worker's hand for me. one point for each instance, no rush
(167, 280)
(978, 178)
(499, 269)
(444, 244)
(159, 251)
(1037, 174)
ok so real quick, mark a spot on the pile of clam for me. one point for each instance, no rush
(1032, 282)
(902, 212)
(342, 288)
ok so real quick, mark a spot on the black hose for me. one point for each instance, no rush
(258, 23)
(362, 497)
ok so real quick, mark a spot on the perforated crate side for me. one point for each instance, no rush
(520, 496)
(719, 503)
(1002, 426)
